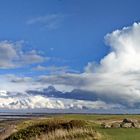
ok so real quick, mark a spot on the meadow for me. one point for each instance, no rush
(73, 127)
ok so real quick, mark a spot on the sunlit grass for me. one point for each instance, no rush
(51, 128)
(83, 127)
(72, 134)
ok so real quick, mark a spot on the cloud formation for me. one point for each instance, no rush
(12, 55)
(116, 78)
(125, 50)
(114, 81)
(20, 101)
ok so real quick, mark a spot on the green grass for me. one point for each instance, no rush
(98, 117)
(121, 133)
(92, 122)
(39, 128)
(112, 133)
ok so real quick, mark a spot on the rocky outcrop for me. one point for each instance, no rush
(126, 123)
(129, 120)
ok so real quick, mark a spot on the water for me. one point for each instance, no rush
(29, 113)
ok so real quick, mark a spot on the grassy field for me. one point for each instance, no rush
(98, 117)
(110, 133)
(121, 134)
(74, 127)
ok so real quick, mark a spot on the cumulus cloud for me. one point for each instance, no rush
(125, 45)
(31, 57)
(11, 55)
(114, 81)
(12, 101)
(116, 78)
(7, 54)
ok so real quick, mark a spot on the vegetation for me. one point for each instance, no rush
(72, 134)
(120, 133)
(74, 127)
(51, 129)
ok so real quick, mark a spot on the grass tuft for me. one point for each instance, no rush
(49, 126)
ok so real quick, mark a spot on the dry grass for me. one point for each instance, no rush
(72, 134)
(55, 130)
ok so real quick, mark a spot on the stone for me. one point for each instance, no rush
(127, 120)
(136, 125)
(126, 125)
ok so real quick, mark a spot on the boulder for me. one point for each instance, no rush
(127, 120)
(136, 125)
(126, 125)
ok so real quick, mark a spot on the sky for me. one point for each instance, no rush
(89, 48)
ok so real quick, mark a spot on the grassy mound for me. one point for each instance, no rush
(52, 126)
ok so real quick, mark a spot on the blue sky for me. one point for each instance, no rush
(88, 48)
(79, 27)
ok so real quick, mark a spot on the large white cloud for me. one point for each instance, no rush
(125, 50)
(20, 101)
(117, 76)
(115, 80)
